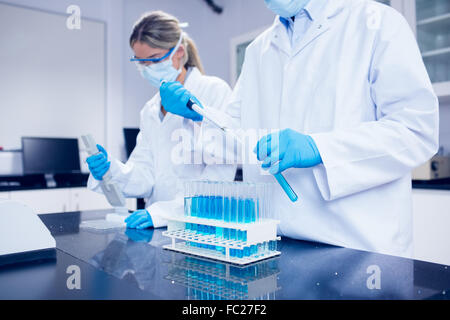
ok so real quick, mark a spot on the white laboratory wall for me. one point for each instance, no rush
(110, 12)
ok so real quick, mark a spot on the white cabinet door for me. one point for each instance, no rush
(4, 195)
(44, 201)
(85, 199)
(431, 209)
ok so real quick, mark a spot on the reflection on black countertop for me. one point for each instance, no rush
(305, 270)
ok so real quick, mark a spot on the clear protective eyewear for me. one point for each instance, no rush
(154, 60)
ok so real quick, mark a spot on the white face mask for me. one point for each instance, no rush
(286, 8)
(161, 71)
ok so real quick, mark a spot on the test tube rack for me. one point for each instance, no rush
(256, 241)
(212, 280)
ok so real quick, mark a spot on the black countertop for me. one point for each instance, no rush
(440, 184)
(131, 264)
(37, 182)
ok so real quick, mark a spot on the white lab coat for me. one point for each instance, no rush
(363, 94)
(152, 171)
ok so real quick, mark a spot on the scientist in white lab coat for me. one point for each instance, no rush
(163, 51)
(344, 84)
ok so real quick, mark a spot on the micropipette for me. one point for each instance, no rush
(212, 119)
(110, 189)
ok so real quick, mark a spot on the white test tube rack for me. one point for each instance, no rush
(258, 233)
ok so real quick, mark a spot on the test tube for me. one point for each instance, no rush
(286, 187)
(259, 204)
(234, 203)
(211, 211)
(250, 214)
(219, 201)
(187, 198)
(227, 202)
(194, 198)
(203, 202)
(240, 189)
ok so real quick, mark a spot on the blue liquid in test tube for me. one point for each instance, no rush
(226, 209)
(194, 206)
(241, 210)
(233, 209)
(211, 211)
(219, 207)
(203, 207)
(250, 215)
(286, 187)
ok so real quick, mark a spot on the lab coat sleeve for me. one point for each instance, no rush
(136, 177)
(161, 209)
(405, 134)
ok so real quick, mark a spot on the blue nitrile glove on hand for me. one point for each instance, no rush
(139, 219)
(174, 98)
(287, 149)
(98, 163)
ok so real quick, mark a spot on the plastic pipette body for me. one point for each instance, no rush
(110, 190)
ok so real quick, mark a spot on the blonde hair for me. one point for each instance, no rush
(161, 30)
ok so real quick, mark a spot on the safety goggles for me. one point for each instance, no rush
(154, 60)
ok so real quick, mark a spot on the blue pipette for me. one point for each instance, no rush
(279, 177)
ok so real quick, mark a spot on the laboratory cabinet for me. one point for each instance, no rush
(4, 195)
(431, 225)
(44, 201)
(430, 21)
(63, 200)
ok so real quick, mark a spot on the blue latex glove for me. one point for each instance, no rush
(139, 219)
(98, 163)
(144, 235)
(287, 149)
(174, 98)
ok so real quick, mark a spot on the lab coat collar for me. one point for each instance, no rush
(312, 9)
(321, 12)
(192, 77)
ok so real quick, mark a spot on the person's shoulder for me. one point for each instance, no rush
(212, 82)
(376, 17)
(372, 9)
(262, 38)
(151, 108)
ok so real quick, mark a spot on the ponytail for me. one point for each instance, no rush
(192, 57)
